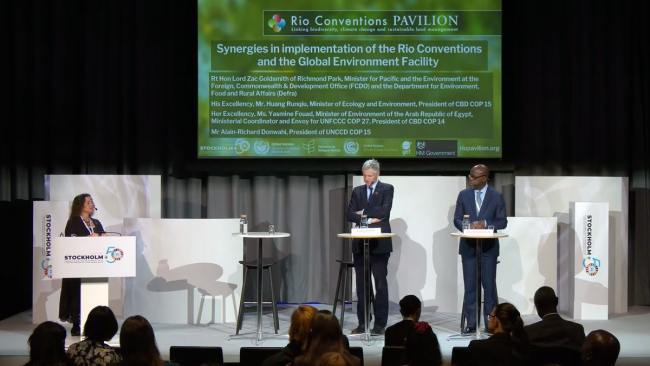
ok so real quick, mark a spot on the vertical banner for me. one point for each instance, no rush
(590, 224)
(49, 219)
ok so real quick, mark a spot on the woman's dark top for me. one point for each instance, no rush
(70, 300)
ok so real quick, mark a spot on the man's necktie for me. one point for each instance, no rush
(479, 201)
(369, 194)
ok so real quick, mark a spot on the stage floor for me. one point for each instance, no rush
(632, 330)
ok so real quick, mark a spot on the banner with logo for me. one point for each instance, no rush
(590, 223)
(48, 222)
(115, 197)
(91, 257)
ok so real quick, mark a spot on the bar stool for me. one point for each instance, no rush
(345, 272)
(266, 264)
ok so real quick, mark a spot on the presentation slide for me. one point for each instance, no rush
(411, 79)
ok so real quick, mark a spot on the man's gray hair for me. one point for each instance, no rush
(371, 164)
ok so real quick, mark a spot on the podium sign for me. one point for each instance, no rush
(590, 224)
(94, 260)
(93, 257)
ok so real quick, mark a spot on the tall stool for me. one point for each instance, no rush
(345, 272)
(266, 264)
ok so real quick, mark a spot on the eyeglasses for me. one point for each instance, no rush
(471, 177)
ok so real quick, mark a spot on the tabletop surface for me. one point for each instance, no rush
(493, 236)
(262, 235)
(366, 236)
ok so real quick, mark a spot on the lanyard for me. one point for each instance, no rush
(88, 227)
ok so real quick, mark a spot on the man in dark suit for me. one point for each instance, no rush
(485, 206)
(553, 331)
(410, 307)
(375, 200)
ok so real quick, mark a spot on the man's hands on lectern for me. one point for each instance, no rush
(478, 225)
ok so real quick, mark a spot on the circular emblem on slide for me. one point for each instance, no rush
(117, 254)
(406, 145)
(277, 23)
(591, 269)
(241, 146)
(351, 147)
(261, 147)
(47, 268)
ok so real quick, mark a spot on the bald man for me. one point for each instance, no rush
(485, 206)
(553, 331)
(601, 348)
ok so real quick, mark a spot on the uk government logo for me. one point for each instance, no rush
(351, 147)
(262, 147)
(277, 23)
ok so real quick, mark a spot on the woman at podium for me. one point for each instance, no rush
(80, 223)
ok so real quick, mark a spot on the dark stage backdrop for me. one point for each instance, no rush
(109, 87)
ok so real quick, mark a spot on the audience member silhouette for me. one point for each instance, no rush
(100, 326)
(47, 345)
(552, 330)
(421, 347)
(334, 359)
(601, 348)
(508, 344)
(138, 343)
(326, 336)
(298, 333)
(410, 307)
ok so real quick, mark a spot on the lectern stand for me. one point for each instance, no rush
(479, 257)
(366, 274)
(94, 260)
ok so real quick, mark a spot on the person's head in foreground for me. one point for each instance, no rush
(601, 348)
(505, 318)
(138, 343)
(47, 345)
(410, 307)
(300, 327)
(100, 325)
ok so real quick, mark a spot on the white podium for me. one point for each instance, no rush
(590, 243)
(93, 260)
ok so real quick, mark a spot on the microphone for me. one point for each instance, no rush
(95, 207)
(108, 232)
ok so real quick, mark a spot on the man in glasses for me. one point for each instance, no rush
(485, 207)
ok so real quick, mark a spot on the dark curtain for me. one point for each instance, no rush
(109, 87)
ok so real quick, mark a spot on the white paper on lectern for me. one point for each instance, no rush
(93, 257)
(478, 232)
(366, 231)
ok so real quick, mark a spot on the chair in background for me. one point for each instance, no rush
(358, 352)
(195, 355)
(266, 265)
(392, 356)
(255, 356)
(460, 356)
(555, 355)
